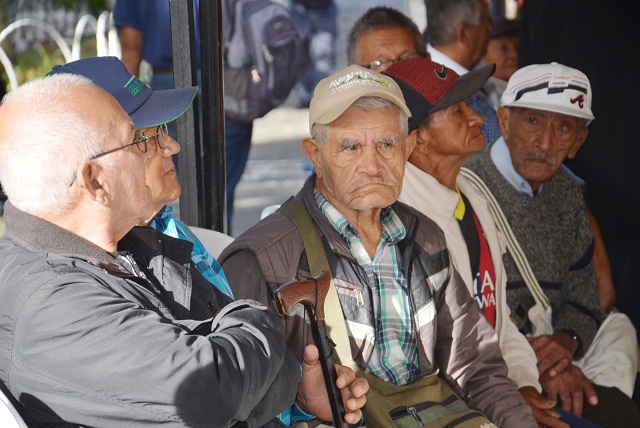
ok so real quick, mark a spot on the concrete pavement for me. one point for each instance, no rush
(277, 167)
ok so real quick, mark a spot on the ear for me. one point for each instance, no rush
(504, 114)
(92, 180)
(410, 144)
(582, 136)
(310, 149)
(421, 143)
(462, 35)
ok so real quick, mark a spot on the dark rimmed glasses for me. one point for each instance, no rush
(384, 63)
(140, 140)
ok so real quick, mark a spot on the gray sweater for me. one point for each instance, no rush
(555, 235)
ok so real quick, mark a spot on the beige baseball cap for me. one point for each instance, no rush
(335, 94)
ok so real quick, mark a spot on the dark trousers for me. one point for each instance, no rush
(236, 146)
(614, 409)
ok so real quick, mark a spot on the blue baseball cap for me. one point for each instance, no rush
(145, 107)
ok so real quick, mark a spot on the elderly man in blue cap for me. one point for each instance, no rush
(160, 171)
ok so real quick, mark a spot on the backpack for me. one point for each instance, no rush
(261, 57)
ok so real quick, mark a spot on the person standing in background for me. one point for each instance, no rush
(317, 21)
(502, 51)
(457, 35)
(383, 36)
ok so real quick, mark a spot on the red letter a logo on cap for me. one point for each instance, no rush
(579, 99)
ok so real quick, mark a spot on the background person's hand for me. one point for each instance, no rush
(570, 387)
(314, 399)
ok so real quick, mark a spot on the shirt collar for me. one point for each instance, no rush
(393, 231)
(501, 158)
(164, 222)
(39, 235)
(440, 58)
(460, 208)
(160, 217)
(420, 190)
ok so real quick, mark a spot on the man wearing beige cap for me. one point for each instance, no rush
(407, 312)
(587, 359)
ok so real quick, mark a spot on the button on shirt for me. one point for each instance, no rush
(395, 354)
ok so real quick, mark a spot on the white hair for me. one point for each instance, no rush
(322, 133)
(46, 142)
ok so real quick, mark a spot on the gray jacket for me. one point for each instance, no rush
(93, 339)
(453, 334)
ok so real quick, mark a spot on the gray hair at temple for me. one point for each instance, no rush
(45, 142)
(443, 16)
(322, 133)
(378, 18)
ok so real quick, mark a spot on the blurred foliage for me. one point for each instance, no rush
(37, 61)
(95, 6)
(39, 58)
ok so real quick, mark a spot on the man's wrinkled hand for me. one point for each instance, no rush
(315, 400)
(554, 352)
(570, 388)
(542, 408)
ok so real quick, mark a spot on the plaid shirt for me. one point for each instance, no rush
(205, 262)
(395, 356)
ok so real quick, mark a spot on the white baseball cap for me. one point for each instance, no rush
(550, 87)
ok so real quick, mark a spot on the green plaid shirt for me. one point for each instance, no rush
(395, 355)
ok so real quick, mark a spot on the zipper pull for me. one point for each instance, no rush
(359, 298)
(134, 266)
(255, 76)
(415, 415)
(267, 55)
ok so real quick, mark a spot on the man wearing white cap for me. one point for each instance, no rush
(407, 311)
(586, 359)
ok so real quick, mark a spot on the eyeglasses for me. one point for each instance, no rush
(161, 132)
(140, 141)
(383, 64)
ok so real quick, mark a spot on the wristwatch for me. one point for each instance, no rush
(574, 336)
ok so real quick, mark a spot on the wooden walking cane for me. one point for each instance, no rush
(311, 294)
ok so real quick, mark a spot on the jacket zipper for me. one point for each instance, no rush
(134, 266)
(358, 292)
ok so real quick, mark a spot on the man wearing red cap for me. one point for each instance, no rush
(447, 134)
